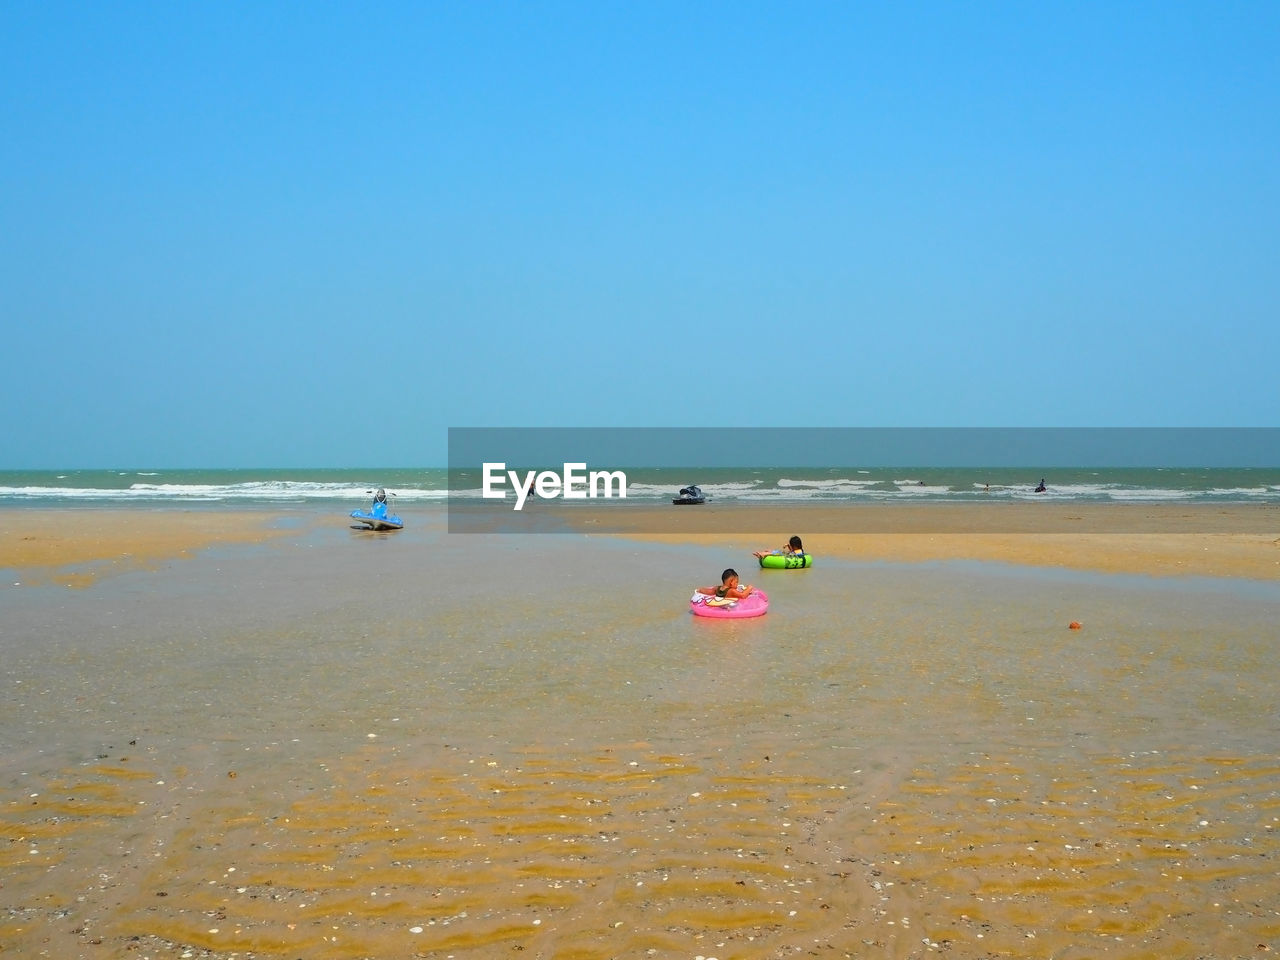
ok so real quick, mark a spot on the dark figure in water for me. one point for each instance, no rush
(1042, 488)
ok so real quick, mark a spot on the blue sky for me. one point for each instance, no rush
(270, 234)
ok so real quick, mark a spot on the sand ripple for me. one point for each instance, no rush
(632, 852)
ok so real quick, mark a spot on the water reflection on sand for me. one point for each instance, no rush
(468, 746)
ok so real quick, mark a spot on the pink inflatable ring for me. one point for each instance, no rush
(754, 605)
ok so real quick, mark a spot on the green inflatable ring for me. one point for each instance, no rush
(777, 561)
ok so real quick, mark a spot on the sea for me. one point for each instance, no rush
(268, 487)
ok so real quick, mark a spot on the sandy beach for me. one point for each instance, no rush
(75, 547)
(280, 737)
(588, 304)
(1226, 541)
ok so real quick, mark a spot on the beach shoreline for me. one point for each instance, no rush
(76, 548)
(1228, 540)
(324, 741)
(830, 517)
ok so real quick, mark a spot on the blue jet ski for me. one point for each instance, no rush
(377, 517)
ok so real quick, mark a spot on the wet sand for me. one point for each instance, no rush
(75, 547)
(1228, 540)
(1201, 540)
(1255, 556)
(339, 744)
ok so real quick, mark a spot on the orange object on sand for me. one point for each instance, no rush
(1074, 625)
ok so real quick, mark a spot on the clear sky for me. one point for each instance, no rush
(320, 234)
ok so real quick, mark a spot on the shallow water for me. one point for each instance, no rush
(417, 745)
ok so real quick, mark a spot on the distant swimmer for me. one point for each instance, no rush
(1042, 488)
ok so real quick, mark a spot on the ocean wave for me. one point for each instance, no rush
(661, 490)
(778, 486)
(1148, 494)
(839, 484)
(281, 491)
(1237, 492)
(920, 488)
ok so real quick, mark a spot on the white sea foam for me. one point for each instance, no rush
(1069, 491)
(840, 484)
(1234, 493)
(658, 491)
(266, 491)
(918, 488)
(1149, 493)
(748, 486)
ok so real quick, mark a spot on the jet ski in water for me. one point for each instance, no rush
(689, 495)
(377, 517)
